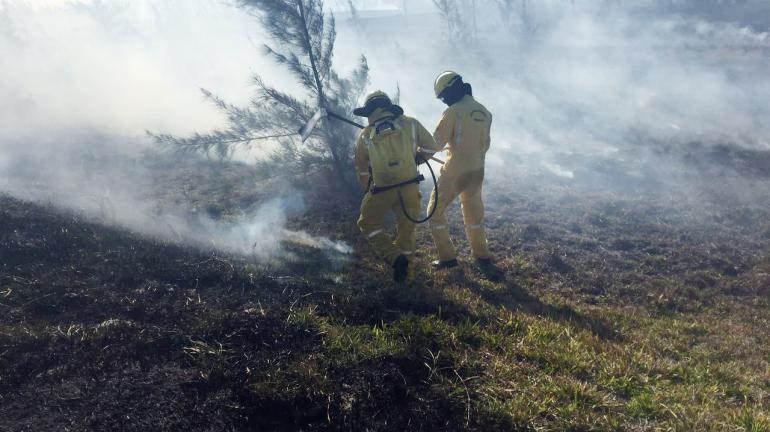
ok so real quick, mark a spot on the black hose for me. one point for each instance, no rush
(435, 198)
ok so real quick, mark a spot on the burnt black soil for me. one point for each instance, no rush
(104, 330)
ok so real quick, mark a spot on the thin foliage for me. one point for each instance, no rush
(519, 16)
(459, 26)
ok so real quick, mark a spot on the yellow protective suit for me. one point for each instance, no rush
(390, 157)
(464, 129)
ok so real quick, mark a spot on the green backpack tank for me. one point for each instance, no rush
(392, 147)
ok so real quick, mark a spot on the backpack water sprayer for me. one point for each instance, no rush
(306, 130)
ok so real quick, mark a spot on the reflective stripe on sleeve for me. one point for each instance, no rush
(374, 233)
(439, 227)
(414, 136)
(406, 252)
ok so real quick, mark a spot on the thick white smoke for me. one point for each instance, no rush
(569, 83)
(584, 82)
(80, 83)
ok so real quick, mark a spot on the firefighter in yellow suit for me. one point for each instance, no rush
(385, 161)
(464, 130)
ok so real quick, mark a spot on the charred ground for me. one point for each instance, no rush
(612, 311)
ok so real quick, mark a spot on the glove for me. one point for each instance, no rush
(420, 158)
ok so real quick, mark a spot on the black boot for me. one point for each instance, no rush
(400, 269)
(440, 265)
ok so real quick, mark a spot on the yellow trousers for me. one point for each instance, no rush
(468, 187)
(372, 221)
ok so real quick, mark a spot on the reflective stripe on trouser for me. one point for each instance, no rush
(468, 188)
(372, 221)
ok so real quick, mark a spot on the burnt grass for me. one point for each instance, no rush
(608, 312)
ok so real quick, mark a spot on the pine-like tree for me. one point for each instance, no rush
(303, 38)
